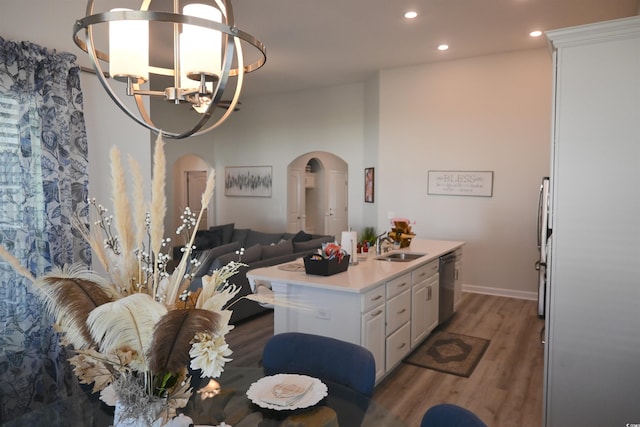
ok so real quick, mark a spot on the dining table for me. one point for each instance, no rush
(224, 402)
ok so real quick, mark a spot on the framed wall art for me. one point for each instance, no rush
(369, 185)
(460, 183)
(247, 181)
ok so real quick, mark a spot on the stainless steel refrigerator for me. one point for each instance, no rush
(544, 243)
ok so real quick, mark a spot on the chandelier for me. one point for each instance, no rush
(207, 58)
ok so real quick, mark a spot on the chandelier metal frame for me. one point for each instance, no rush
(231, 47)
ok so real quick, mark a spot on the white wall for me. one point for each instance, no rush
(273, 131)
(277, 129)
(488, 113)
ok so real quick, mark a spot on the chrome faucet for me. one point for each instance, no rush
(379, 240)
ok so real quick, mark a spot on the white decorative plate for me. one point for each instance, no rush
(285, 392)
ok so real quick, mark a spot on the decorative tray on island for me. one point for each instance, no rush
(325, 266)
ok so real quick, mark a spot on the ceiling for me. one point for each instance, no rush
(319, 43)
(313, 43)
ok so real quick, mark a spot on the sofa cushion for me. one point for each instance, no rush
(207, 239)
(302, 237)
(311, 244)
(251, 254)
(240, 235)
(259, 237)
(209, 256)
(227, 231)
(278, 249)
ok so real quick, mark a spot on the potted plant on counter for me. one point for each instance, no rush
(368, 238)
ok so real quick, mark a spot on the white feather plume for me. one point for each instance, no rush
(126, 323)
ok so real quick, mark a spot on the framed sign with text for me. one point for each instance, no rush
(460, 183)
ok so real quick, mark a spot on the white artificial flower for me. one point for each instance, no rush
(209, 354)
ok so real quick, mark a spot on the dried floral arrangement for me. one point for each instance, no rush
(135, 331)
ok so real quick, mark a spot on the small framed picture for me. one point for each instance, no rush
(369, 185)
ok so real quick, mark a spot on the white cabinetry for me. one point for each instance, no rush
(373, 326)
(592, 355)
(424, 301)
(398, 330)
(373, 304)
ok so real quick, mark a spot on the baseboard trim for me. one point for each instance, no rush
(500, 292)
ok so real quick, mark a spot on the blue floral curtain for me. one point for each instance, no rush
(43, 183)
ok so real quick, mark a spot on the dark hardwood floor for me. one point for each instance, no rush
(505, 390)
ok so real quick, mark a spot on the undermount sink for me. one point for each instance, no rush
(400, 256)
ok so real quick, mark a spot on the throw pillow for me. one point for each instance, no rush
(240, 235)
(251, 254)
(226, 230)
(302, 237)
(207, 239)
(279, 249)
(209, 256)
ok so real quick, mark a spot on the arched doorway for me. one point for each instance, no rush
(317, 194)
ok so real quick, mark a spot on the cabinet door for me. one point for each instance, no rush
(419, 300)
(373, 337)
(457, 286)
(431, 318)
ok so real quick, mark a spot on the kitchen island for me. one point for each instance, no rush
(388, 307)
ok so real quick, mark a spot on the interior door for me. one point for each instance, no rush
(337, 203)
(196, 184)
(295, 201)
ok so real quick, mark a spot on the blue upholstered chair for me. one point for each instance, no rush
(325, 358)
(341, 365)
(448, 415)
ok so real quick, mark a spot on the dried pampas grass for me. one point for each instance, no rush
(178, 286)
(15, 264)
(158, 203)
(123, 221)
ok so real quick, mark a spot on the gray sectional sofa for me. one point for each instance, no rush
(220, 244)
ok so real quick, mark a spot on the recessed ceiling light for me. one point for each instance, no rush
(443, 47)
(411, 14)
(536, 33)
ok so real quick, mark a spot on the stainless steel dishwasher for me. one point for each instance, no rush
(447, 270)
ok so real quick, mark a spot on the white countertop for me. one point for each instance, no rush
(361, 277)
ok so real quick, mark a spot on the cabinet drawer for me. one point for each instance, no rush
(372, 299)
(398, 346)
(398, 311)
(397, 285)
(424, 272)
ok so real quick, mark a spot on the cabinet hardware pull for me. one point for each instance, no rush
(376, 298)
(422, 274)
(402, 284)
(377, 313)
(402, 311)
(402, 345)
